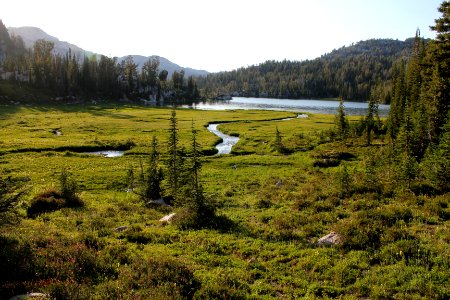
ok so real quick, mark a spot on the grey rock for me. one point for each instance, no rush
(332, 238)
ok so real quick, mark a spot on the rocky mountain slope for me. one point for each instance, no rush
(31, 34)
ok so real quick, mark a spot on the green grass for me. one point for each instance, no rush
(277, 207)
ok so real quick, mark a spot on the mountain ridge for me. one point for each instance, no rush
(349, 72)
(31, 34)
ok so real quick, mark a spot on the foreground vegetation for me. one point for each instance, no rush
(246, 225)
(273, 208)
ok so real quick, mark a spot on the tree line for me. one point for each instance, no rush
(418, 125)
(349, 73)
(89, 76)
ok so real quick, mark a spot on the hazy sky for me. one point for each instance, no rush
(218, 35)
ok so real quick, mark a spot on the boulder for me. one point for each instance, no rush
(332, 238)
(121, 228)
(37, 296)
(167, 218)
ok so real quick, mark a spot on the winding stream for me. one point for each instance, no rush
(228, 141)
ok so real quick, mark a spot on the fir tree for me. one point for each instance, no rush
(407, 162)
(344, 181)
(398, 100)
(341, 122)
(173, 159)
(154, 175)
(278, 143)
(372, 114)
(436, 164)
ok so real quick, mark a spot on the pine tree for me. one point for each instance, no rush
(173, 162)
(154, 175)
(344, 181)
(398, 100)
(278, 143)
(195, 164)
(371, 180)
(341, 122)
(197, 211)
(436, 164)
(407, 162)
(372, 113)
(439, 60)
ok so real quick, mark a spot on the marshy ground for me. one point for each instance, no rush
(395, 242)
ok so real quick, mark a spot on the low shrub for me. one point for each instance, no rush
(166, 276)
(47, 201)
(326, 163)
(69, 190)
(360, 233)
(52, 200)
(263, 203)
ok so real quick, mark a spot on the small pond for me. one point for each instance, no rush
(107, 153)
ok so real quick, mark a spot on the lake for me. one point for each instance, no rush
(309, 106)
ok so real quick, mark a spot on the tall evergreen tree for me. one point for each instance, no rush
(407, 162)
(398, 100)
(439, 59)
(437, 161)
(173, 161)
(341, 121)
(154, 175)
(371, 117)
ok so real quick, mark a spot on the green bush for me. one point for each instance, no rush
(360, 233)
(52, 200)
(47, 201)
(224, 285)
(69, 190)
(166, 276)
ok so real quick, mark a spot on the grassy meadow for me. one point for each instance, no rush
(395, 241)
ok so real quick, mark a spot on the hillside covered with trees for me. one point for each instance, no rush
(349, 73)
(88, 77)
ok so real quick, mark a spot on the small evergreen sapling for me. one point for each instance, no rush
(341, 122)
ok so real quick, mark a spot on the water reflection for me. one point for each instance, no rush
(310, 106)
(107, 153)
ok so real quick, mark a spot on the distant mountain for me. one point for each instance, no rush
(348, 72)
(31, 34)
(165, 64)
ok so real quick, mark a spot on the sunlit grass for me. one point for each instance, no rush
(278, 204)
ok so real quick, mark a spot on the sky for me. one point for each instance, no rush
(222, 35)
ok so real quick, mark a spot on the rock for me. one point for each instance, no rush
(167, 218)
(37, 296)
(332, 238)
(158, 202)
(121, 228)
(224, 97)
(252, 260)
(279, 183)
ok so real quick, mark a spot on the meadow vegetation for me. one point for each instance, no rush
(271, 206)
